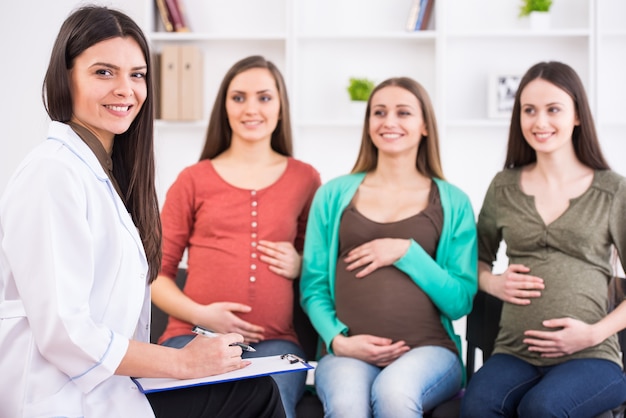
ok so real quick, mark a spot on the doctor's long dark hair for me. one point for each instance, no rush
(133, 151)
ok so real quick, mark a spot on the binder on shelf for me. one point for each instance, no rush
(155, 60)
(259, 366)
(165, 15)
(170, 74)
(181, 83)
(414, 12)
(191, 88)
(177, 16)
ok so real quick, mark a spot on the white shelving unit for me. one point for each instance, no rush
(479, 42)
(359, 38)
(611, 41)
(319, 44)
(611, 86)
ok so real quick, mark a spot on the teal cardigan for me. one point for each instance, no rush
(450, 281)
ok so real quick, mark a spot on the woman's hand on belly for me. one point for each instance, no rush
(282, 258)
(221, 317)
(515, 285)
(376, 254)
(570, 336)
(369, 348)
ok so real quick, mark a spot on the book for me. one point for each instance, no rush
(426, 13)
(182, 10)
(420, 17)
(180, 25)
(414, 12)
(191, 87)
(169, 82)
(165, 15)
(259, 366)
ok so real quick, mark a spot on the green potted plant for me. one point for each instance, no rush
(529, 6)
(538, 12)
(360, 89)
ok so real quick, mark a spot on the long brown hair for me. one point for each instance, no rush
(584, 136)
(133, 151)
(219, 132)
(428, 161)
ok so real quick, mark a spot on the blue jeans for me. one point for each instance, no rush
(416, 382)
(290, 385)
(506, 386)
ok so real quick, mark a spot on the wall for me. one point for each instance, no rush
(26, 37)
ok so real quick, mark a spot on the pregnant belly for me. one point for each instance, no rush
(567, 294)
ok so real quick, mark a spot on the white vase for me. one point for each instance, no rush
(357, 109)
(539, 20)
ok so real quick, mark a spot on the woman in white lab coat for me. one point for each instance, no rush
(80, 242)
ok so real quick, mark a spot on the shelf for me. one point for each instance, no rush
(521, 33)
(328, 123)
(612, 124)
(195, 37)
(176, 124)
(478, 123)
(400, 35)
(615, 33)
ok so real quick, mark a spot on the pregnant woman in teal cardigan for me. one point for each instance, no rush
(390, 261)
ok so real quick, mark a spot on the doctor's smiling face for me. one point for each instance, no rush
(108, 85)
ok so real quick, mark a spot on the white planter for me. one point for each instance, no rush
(357, 109)
(539, 20)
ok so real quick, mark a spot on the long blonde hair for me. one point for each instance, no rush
(428, 161)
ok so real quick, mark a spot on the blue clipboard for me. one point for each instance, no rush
(259, 366)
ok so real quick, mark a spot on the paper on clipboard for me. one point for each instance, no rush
(260, 366)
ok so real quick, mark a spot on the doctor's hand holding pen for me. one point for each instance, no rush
(212, 334)
(210, 356)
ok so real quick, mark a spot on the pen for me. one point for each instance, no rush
(208, 333)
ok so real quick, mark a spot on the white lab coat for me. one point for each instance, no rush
(73, 287)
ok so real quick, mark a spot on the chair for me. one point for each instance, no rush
(481, 331)
(310, 405)
(159, 318)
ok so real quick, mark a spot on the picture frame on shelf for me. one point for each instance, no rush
(501, 94)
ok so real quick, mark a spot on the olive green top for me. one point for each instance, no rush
(571, 254)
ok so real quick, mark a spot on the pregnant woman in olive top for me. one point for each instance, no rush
(560, 210)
